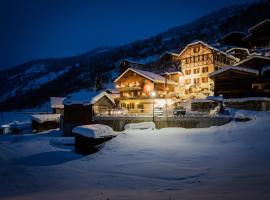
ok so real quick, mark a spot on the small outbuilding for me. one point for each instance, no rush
(234, 82)
(81, 107)
(43, 122)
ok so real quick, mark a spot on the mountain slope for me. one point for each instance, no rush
(33, 82)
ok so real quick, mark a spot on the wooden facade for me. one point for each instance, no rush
(199, 59)
(233, 83)
(259, 35)
(136, 86)
(82, 114)
(240, 53)
(43, 126)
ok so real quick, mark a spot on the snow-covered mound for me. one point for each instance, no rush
(94, 131)
(46, 117)
(142, 125)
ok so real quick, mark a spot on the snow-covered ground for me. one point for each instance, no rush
(225, 162)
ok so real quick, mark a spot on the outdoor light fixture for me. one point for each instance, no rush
(153, 94)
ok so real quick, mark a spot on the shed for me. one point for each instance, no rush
(81, 107)
(43, 122)
(234, 82)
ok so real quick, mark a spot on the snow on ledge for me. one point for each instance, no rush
(46, 118)
(94, 131)
(247, 99)
(142, 125)
(223, 69)
(231, 100)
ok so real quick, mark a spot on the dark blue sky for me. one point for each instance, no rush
(32, 29)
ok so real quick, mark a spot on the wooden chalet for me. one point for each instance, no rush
(127, 63)
(259, 35)
(198, 59)
(168, 61)
(234, 39)
(136, 87)
(238, 52)
(234, 82)
(43, 122)
(81, 107)
(254, 62)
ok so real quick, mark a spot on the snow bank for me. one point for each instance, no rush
(94, 130)
(46, 118)
(142, 125)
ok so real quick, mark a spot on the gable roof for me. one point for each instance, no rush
(86, 97)
(168, 52)
(210, 47)
(250, 58)
(266, 21)
(234, 33)
(227, 68)
(148, 75)
(57, 102)
(239, 48)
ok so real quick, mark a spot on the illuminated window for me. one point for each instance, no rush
(196, 71)
(196, 49)
(188, 72)
(205, 69)
(187, 81)
(205, 79)
(196, 80)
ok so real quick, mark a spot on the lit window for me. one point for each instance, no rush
(205, 79)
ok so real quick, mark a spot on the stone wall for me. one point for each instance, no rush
(118, 123)
(257, 104)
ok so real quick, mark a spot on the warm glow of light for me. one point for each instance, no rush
(153, 93)
(148, 87)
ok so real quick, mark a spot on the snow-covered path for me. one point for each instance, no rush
(226, 162)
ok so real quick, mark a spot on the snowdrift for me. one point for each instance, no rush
(142, 125)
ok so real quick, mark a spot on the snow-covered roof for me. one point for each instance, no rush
(94, 131)
(169, 73)
(148, 75)
(266, 21)
(57, 102)
(251, 29)
(239, 48)
(251, 57)
(234, 32)
(86, 97)
(168, 52)
(46, 117)
(227, 68)
(210, 47)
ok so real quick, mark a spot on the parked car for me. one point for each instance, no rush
(119, 111)
(179, 111)
(158, 111)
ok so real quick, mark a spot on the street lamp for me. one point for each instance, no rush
(153, 94)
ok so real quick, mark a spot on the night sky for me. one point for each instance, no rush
(32, 29)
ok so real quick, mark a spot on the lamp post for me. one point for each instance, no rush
(153, 94)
